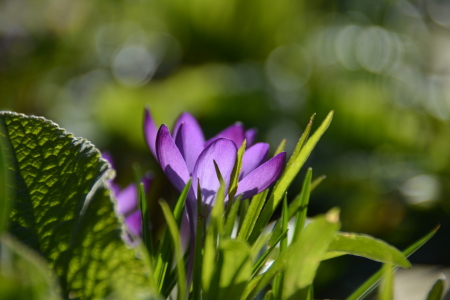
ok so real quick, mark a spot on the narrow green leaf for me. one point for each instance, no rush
(302, 140)
(217, 212)
(307, 254)
(280, 147)
(147, 237)
(269, 295)
(301, 259)
(231, 216)
(296, 204)
(235, 266)
(437, 291)
(387, 284)
(243, 213)
(303, 209)
(62, 209)
(369, 247)
(251, 215)
(367, 287)
(317, 181)
(278, 281)
(198, 255)
(259, 264)
(293, 167)
(165, 251)
(176, 239)
(236, 171)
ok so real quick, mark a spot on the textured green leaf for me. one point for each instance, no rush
(369, 247)
(62, 209)
(24, 274)
(4, 208)
(437, 291)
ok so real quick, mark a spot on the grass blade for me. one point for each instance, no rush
(175, 234)
(303, 209)
(293, 167)
(437, 291)
(165, 251)
(147, 237)
(373, 281)
(252, 215)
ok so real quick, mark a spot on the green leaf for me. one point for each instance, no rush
(236, 170)
(231, 216)
(293, 167)
(179, 264)
(146, 236)
(165, 252)
(387, 284)
(300, 260)
(62, 209)
(234, 266)
(437, 291)
(259, 264)
(367, 287)
(280, 147)
(307, 254)
(252, 215)
(368, 247)
(303, 209)
(24, 274)
(5, 207)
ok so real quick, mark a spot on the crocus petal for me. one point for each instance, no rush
(188, 119)
(170, 159)
(127, 199)
(262, 177)
(189, 141)
(223, 152)
(250, 136)
(150, 131)
(234, 132)
(134, 223)
(253, 158)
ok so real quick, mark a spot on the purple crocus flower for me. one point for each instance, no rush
(127, 202)
(185, 153)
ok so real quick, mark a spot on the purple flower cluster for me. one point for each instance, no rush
(185, 153)
(127, 202)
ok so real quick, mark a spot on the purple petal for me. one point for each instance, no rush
(224, 152)
(134, 223)
(188, 119)
(250, 136)
(253, 158)
(150, 131)
(262, 177)
(170, 159)
(189, 141)
(127, 199)
(234, 132)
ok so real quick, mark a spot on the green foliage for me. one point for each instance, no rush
(437, 291)
(62, 209)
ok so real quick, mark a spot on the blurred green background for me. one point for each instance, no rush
(383, 66)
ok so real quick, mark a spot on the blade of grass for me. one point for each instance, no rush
(278, 280)
(165, 251)
(236, 170)
(198, 257)
(367, 287)
(304, 201)
(295, 205)
(174, 232)
(259, 264)
(293, 167)
(387, 284)
(231, 217)
(242, 213)
(437, 291)
(317, 181)
(252, 215)
(147, 237)
(280, 147)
